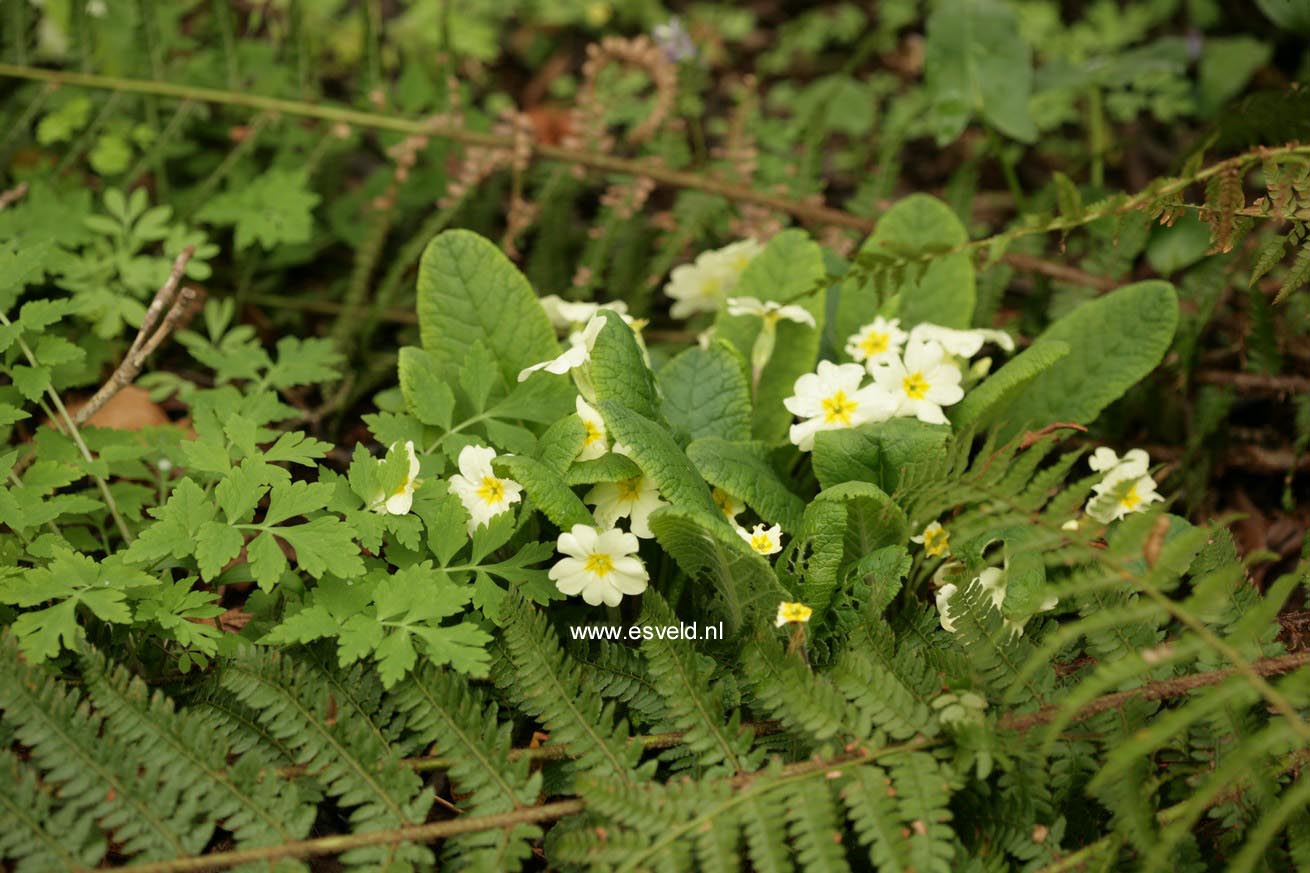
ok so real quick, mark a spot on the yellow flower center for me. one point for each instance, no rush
(723, 500)
(492, 490)
(838, 409)
(630, 489)
(593, 433)
(916, 387)
(1131, 499)
(762, 543)
(936, 541)
(874, 343)
(740, 262)
(711, 287)
(402, 488)
(794, 612)
(601, 565)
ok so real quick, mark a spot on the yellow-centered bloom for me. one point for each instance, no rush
(730, 506)
(877, 341)
(935, 539)
(602, 567)
(922, 382)
(764, 540)
(703, 286)
(634, 498)
(792, 613)
(831, 398)
(594, 441)
(484, 494)
(399, 501)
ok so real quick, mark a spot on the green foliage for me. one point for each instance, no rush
(978, 66)
(285, 539)
(1113, 343)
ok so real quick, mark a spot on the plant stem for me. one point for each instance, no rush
(76, 436)
(1096, 135)
(1007, 168)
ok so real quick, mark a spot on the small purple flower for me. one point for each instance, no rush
(674, 41)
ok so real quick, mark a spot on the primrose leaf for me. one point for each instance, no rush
(618, 368)
(743, 470)
(942, 293)
(659, 457)
(707, 393)
(548, 491)
(469, 292)
(1114, 341)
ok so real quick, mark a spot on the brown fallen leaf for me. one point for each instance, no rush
(130, 409)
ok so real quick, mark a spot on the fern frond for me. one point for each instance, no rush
(256, 810)
(548, 686)
(343, 752)
(891, 706)
(36, 832)
(682, 677)
(766, 842)
(807, 704)
(620, 673)
(442, 709)
(815, 826)
(147, 809)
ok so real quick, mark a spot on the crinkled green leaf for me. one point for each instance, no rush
(1114, 341)
(707, 393)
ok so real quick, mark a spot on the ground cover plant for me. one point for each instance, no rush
(572, 435)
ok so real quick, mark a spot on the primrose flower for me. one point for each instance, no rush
(876, 342)
(634, 498)
(1127, 487)
(961, 343)
(601, 566)
(943, 598)
(483, 493)
(702, 286)
(792, 613)
(571, 315)
(921, 383)
(993, 583)
(1135, 462)
(831, 398)
(730, 506)
(399, 501)
(769, 311)
(578, 353)
(1121, 494)
(935, 539)
(594, 441)
(764, 540)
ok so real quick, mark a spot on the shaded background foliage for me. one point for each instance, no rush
(304, 154)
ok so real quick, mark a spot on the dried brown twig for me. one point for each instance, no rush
(165, 312)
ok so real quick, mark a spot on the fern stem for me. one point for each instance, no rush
(379, 121)
(1158, 690)
(337, 844)
(399, 267)
(155, 156)
(366, 259)
(206, 187)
